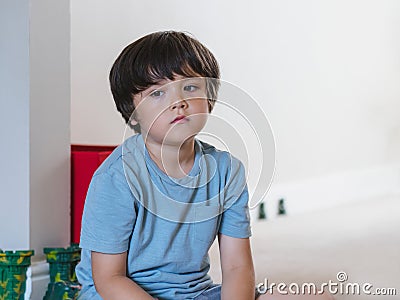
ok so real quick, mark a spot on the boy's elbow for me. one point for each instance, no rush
(245, 271)
(107, 271)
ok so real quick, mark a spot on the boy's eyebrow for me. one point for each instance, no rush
(158, 84)
(154, 86)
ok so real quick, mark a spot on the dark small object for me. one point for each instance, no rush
(281, 207)
(261, 211)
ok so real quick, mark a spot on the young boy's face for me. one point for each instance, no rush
(172, 111)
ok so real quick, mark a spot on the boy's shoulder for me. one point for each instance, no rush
(114, 162)
(131, 149)
(217, 153)
(212, 150)
(223, 158)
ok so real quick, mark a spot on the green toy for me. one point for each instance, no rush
(61, 291)
(281, 207)
(261, 211)
(13, 267)
(63, 282)
(62, 262)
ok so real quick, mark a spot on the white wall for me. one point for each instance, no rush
(14, 129)
(326, 72)
(49, 124)
(35, 130)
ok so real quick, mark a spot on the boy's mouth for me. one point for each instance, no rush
(180, 119)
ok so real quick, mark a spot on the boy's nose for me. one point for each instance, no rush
(179, 104)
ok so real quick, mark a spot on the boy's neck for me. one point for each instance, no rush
(175, 161)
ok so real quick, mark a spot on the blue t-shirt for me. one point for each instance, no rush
(166, 225)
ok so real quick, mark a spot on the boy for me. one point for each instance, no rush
(155, 206)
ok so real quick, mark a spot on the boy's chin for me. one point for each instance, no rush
(176, 136)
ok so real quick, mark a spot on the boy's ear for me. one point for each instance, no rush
(133, 121)
(136, 100)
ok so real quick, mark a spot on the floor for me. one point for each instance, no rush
(361, 239)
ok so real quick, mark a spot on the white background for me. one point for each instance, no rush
(327, 73)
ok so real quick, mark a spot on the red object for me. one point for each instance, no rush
(84, 162)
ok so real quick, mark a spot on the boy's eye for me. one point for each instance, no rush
(157, 94)
(190, 88)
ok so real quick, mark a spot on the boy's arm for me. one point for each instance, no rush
(109, 276)
(237, 268)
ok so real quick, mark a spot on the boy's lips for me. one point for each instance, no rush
(179, 119)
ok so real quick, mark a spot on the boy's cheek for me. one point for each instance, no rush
(150, 114)
(199, 121)
(200, 117)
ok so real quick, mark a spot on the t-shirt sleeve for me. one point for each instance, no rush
(235, 221)
(109, 214)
